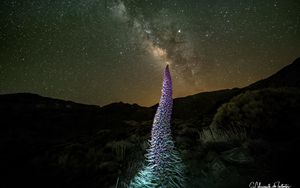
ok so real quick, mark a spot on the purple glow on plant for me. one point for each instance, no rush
(164, 167)
(161, 130)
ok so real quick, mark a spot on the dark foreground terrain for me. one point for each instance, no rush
(227, 138)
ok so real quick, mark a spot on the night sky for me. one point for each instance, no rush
(98, 52)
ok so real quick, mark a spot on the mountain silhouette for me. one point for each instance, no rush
(48, 142)
(201, 103)
(286, 77)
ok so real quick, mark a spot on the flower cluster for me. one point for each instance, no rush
(163, 167)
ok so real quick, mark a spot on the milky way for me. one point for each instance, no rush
(98, 52)
(161, 37)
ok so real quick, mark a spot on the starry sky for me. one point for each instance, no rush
(104, 51)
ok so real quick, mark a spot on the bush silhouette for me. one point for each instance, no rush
(266, 112)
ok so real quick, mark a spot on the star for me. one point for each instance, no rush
(89, 51)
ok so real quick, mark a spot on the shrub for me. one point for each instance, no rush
(266, 112)
(120, 148)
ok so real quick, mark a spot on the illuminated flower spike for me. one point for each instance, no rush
(164, 167)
